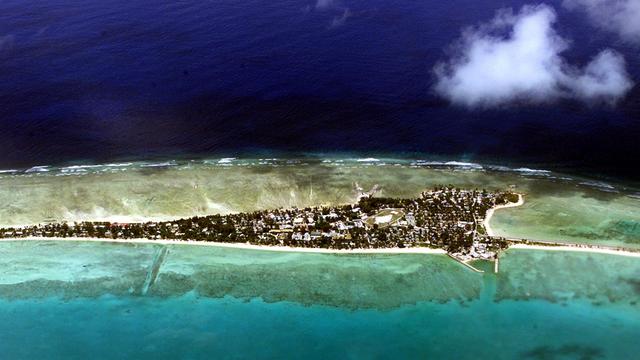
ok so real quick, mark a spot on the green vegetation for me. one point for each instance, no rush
(444, 217)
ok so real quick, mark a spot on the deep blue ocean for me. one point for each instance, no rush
(94, 81)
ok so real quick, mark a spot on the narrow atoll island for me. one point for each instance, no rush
(444, 217)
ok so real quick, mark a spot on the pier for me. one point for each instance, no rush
(465, 264)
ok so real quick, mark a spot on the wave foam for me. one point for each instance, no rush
(119, 164)
(460, 164)
(529, 171)
(599, 185)
(162, 164)
(226, 160)
(42, 168)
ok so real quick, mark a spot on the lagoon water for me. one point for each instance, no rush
(86, 299)
(81, 299)
(90, 87)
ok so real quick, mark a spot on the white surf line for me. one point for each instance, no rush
(416, 250)
(490, 212)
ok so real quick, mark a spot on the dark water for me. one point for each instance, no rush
(100, 80)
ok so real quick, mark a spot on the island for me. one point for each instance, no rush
(445, 217)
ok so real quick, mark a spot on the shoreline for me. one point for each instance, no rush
(489, 215)
(121, 219)
(244, 246)
(128, 219)
(575, 248)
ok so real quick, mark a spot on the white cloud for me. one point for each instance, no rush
(516, 57)
(604, 77)
(619, 16)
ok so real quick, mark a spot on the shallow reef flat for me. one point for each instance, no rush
(69, 270)
(83, 269)
(346, 281)
(40, 269)
(204, 301)
(556, 208)
(573, 214)
(565, 276)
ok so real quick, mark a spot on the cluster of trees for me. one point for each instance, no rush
(445, 217)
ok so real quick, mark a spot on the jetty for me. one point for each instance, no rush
(465, 263)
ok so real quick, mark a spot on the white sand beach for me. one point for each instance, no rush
(417, 250)
(577, 248)
(490, 212)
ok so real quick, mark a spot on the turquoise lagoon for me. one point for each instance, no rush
(100, 300)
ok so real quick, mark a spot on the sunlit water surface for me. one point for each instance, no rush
(79, 299)
(87, 299)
